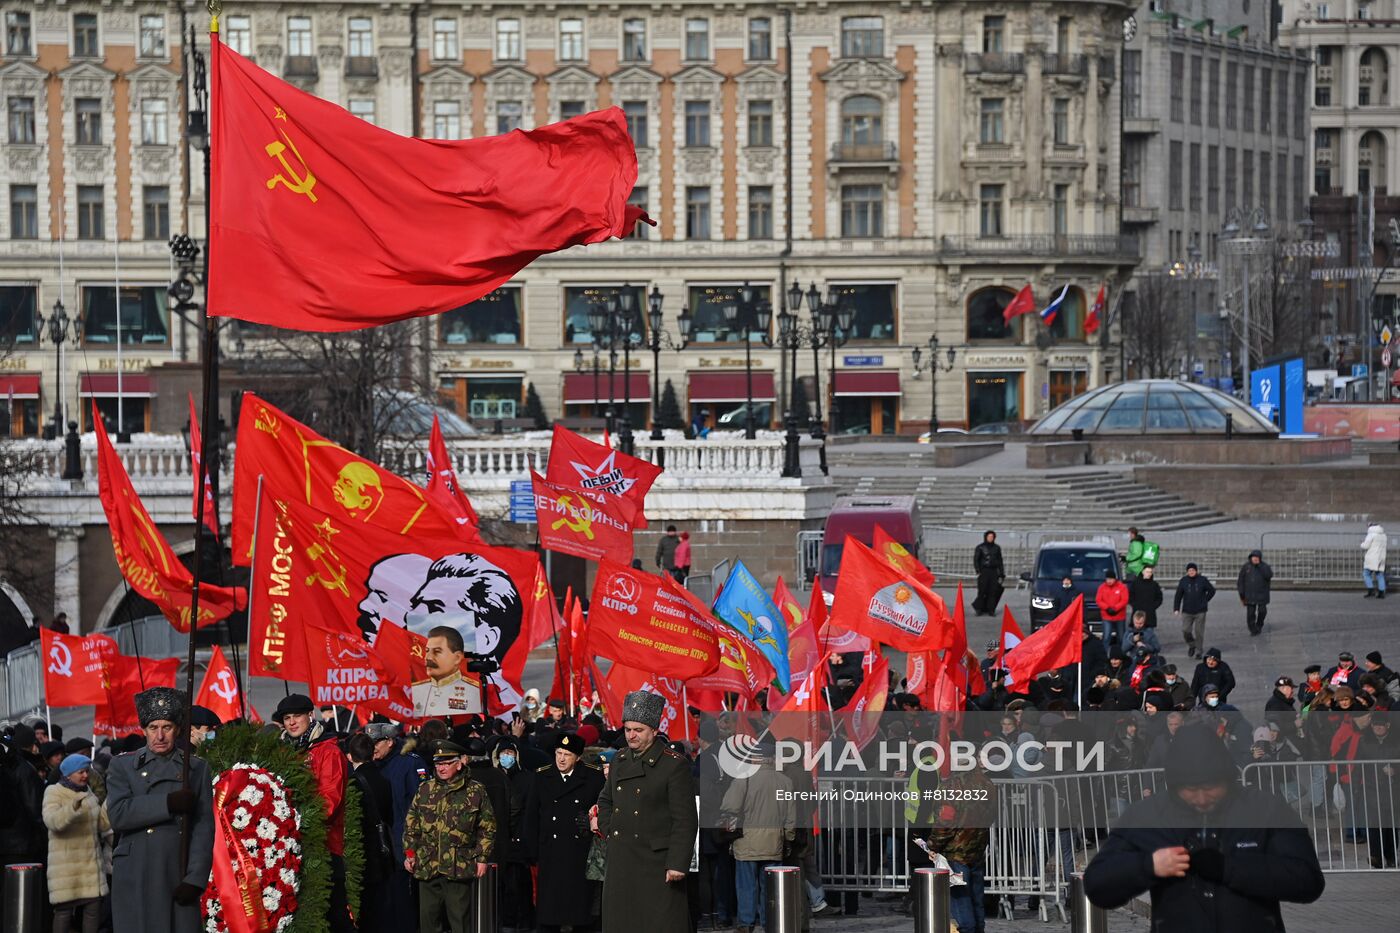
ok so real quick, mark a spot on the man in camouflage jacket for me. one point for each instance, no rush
(448, 837)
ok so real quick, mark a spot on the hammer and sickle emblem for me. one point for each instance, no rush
(582, 522)
(61, 660)
(225, 688)
(296, 183)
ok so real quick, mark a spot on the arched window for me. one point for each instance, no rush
(984, 308)
(862, 121)
(1069, 321)
(1373, 79)
(1370, 161)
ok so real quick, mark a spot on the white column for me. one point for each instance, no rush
(65, 573)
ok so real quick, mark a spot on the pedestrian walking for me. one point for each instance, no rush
(683, 558)
(449, 835)
(152, 892)
(761, 806)
(1213, 671)
(1139, 554)
(1145, 595)
(647, 813)
(1253, 586)
(1373, 565)
(991, 574)
(1193, 595)
(80, 842)
(557, 835)
(666, 551)
(1112, 600)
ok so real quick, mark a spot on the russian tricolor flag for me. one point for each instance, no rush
(1048, 313)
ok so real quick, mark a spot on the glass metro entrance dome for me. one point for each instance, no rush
(1153, 406)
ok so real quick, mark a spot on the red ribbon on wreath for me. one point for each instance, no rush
(236, 877)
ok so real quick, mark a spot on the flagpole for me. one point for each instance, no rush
(248, 626)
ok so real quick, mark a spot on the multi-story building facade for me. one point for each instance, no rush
(921, 161)
(1214, 120)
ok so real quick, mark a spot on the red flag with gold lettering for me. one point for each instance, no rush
(649, 622)
(322, 221)
(585, 523)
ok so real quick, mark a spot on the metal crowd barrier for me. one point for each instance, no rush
(150, 637)
(24, 682)
(1025, 855)
(1363, 834)
(873, 857)
(809, 554)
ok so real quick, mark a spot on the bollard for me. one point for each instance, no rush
(1084, 915)
(783, 899)
(484, 912)
(72, 453)
(24, 898)
(931, 900)
(1229, 426)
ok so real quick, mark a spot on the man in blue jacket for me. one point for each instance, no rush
(1217, 857)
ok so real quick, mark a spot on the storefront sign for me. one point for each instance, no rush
(14, 363)
(129, 364)
(863, 360)
(476, 363)
(1077, 362)
(730, 362)
(981, 360)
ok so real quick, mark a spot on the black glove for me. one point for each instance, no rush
(180, 801)
(581, 825)
(1209, 864)
(185, 893)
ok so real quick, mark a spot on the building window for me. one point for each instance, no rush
(1266, 103)
(760, 39)
(1063, 25)
(1266, 186)
(508, 40)
(568, 109)
(984, 314)
(1230, 177)
(1132, 172)
(21, 110)
(238, 34)
(299, 36)
(1247, 179)
(24, 212)
(447, 119)
(90, 213)
(1232, 105)
(145, 315)
(760, 123)
(1196, 64)
(85, 35)
(697, 213)
(1059, 121)
(1213, 104)
(1299, 188)
(1281, 95)
(1213, 179)
(1174, 186)
(361, 37)
(863, 36)
(1178, 86)
(1069, 322)
(571, 40)
(19, 322)
(1194, 177)
(88, 116)
(989, 200)
(872, 310)
(697, 123)
(634, 40)
(18, 33)
(1322, 95)
(760, 212)
(1132, 83)
(862, 210)
(445, 40)
(697, 40)
(155, 212)
(152, 36)
(636, 113)
(1059, 208)
(1300, 113)
(992, 126)
(362, 107)
(493, 319)
(509, 114)
(862, 121)
(993, 34)
(153, 122)
(638, 199)
(707, 304)
(1248, 126)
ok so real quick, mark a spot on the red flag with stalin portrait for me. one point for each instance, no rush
(321, 221)
(648, 622)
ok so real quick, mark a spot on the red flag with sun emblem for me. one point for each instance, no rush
(899, 557)
(576, 461)
(878, 601)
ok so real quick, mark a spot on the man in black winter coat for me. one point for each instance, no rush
(1253, 586)
(1216, 857)
(1191, 602)
(1280, 706)
(1213, 670)
(991, 572)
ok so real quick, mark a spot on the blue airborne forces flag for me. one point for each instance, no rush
(745, 605)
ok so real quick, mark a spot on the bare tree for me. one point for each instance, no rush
(1155, 325)
(1282, 307)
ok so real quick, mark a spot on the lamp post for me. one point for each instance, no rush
(751, 315)
(613, 324)
(1193, 253)
(658, 337)
(59, 328)
(792, 335)
(1243, 235)
(933, 366)
(831, 328)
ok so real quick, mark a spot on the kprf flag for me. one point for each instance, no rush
(647, 622)
(125, 677)
(344, 671)
(322, 221)
(875, 600)
(576, 461)
(443, 489)
(297, 463)
(585, 523)
(201, 479)
(746, 606)
(1010, 635)
(219, 691)
(1023, 303)
(899, 557)
(1054, 646)
(1052, 310)
(1092, 319)
(143, 555)
(75, 667)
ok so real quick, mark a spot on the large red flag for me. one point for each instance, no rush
(868, 702)
(876, 600)
(622, 680)
(344, 671)
(545, 620)
(126, 677)
(1095, 315)
(443, 489)
(577, 462)
(75, 667)
(211, 509)
(219, 690)
(587, 524)
(1010, 635)
(804, 638)
(899, 557)
(143, 555)
(1023, 303)
(322, 221)
(1059, 643)
(297, 462)
(742, 668)
(784, 599)
(648, 622)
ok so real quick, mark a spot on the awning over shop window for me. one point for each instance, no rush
(730, 387)
(578, 388)
(19, 385)
(104, 385)
(864, 383)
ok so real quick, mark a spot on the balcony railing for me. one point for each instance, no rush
(1004, 63)
(864, 152)
(300, 66)
(1065, 64)
(361, 66)
(1046, 244)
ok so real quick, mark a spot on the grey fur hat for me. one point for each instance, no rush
(643, 707)
(161, 703)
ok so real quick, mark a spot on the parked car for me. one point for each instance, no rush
(926, 438)
(857, 516)
(1085, 562)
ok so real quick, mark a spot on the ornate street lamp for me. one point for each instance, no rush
(59, 329)
(750, 315)
(658, 337)
(933, 366)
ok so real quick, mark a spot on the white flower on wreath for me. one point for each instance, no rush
(289, 878)
(285, 922)
(251, 795)
(271, 898)
(271, 856)
(251, 845)
(267, 830)
(280, 808)
(241, 818)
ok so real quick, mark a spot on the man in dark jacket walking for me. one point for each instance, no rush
(1213, 670)
(1145, 595)
(987, 564)
(1280, 706)
(1253, 586)
(1193, 595)
(1216, 857)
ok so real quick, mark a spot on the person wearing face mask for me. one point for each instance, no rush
(1213, 671)
(517, 895)
(1066, 595)
(530, 709)
(557, 834)
(1176, 688)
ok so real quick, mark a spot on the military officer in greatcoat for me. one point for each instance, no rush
(647, 812)
(146, 803)
(557, 836)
